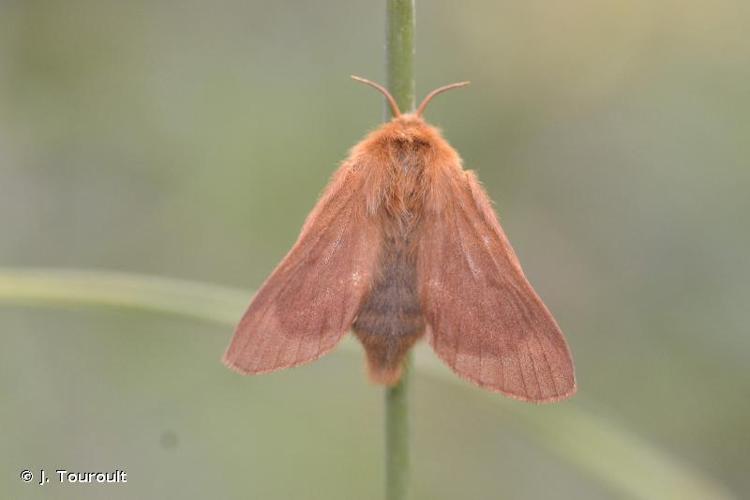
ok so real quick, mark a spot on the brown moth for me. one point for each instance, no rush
(404, 243)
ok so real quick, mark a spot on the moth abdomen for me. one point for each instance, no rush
(390, 320)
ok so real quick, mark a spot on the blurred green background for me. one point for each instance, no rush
(190, 139)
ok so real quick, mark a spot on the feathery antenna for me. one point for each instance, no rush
(384, 91)
(437, 91)
(392, 101)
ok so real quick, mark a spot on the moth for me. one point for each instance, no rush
(404, 244)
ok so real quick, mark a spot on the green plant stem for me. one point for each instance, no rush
(397, 440)
(399, 53)
(587, 440)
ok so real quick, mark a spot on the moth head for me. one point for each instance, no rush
(394, 106)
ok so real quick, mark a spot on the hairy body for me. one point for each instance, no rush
(390, 320)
